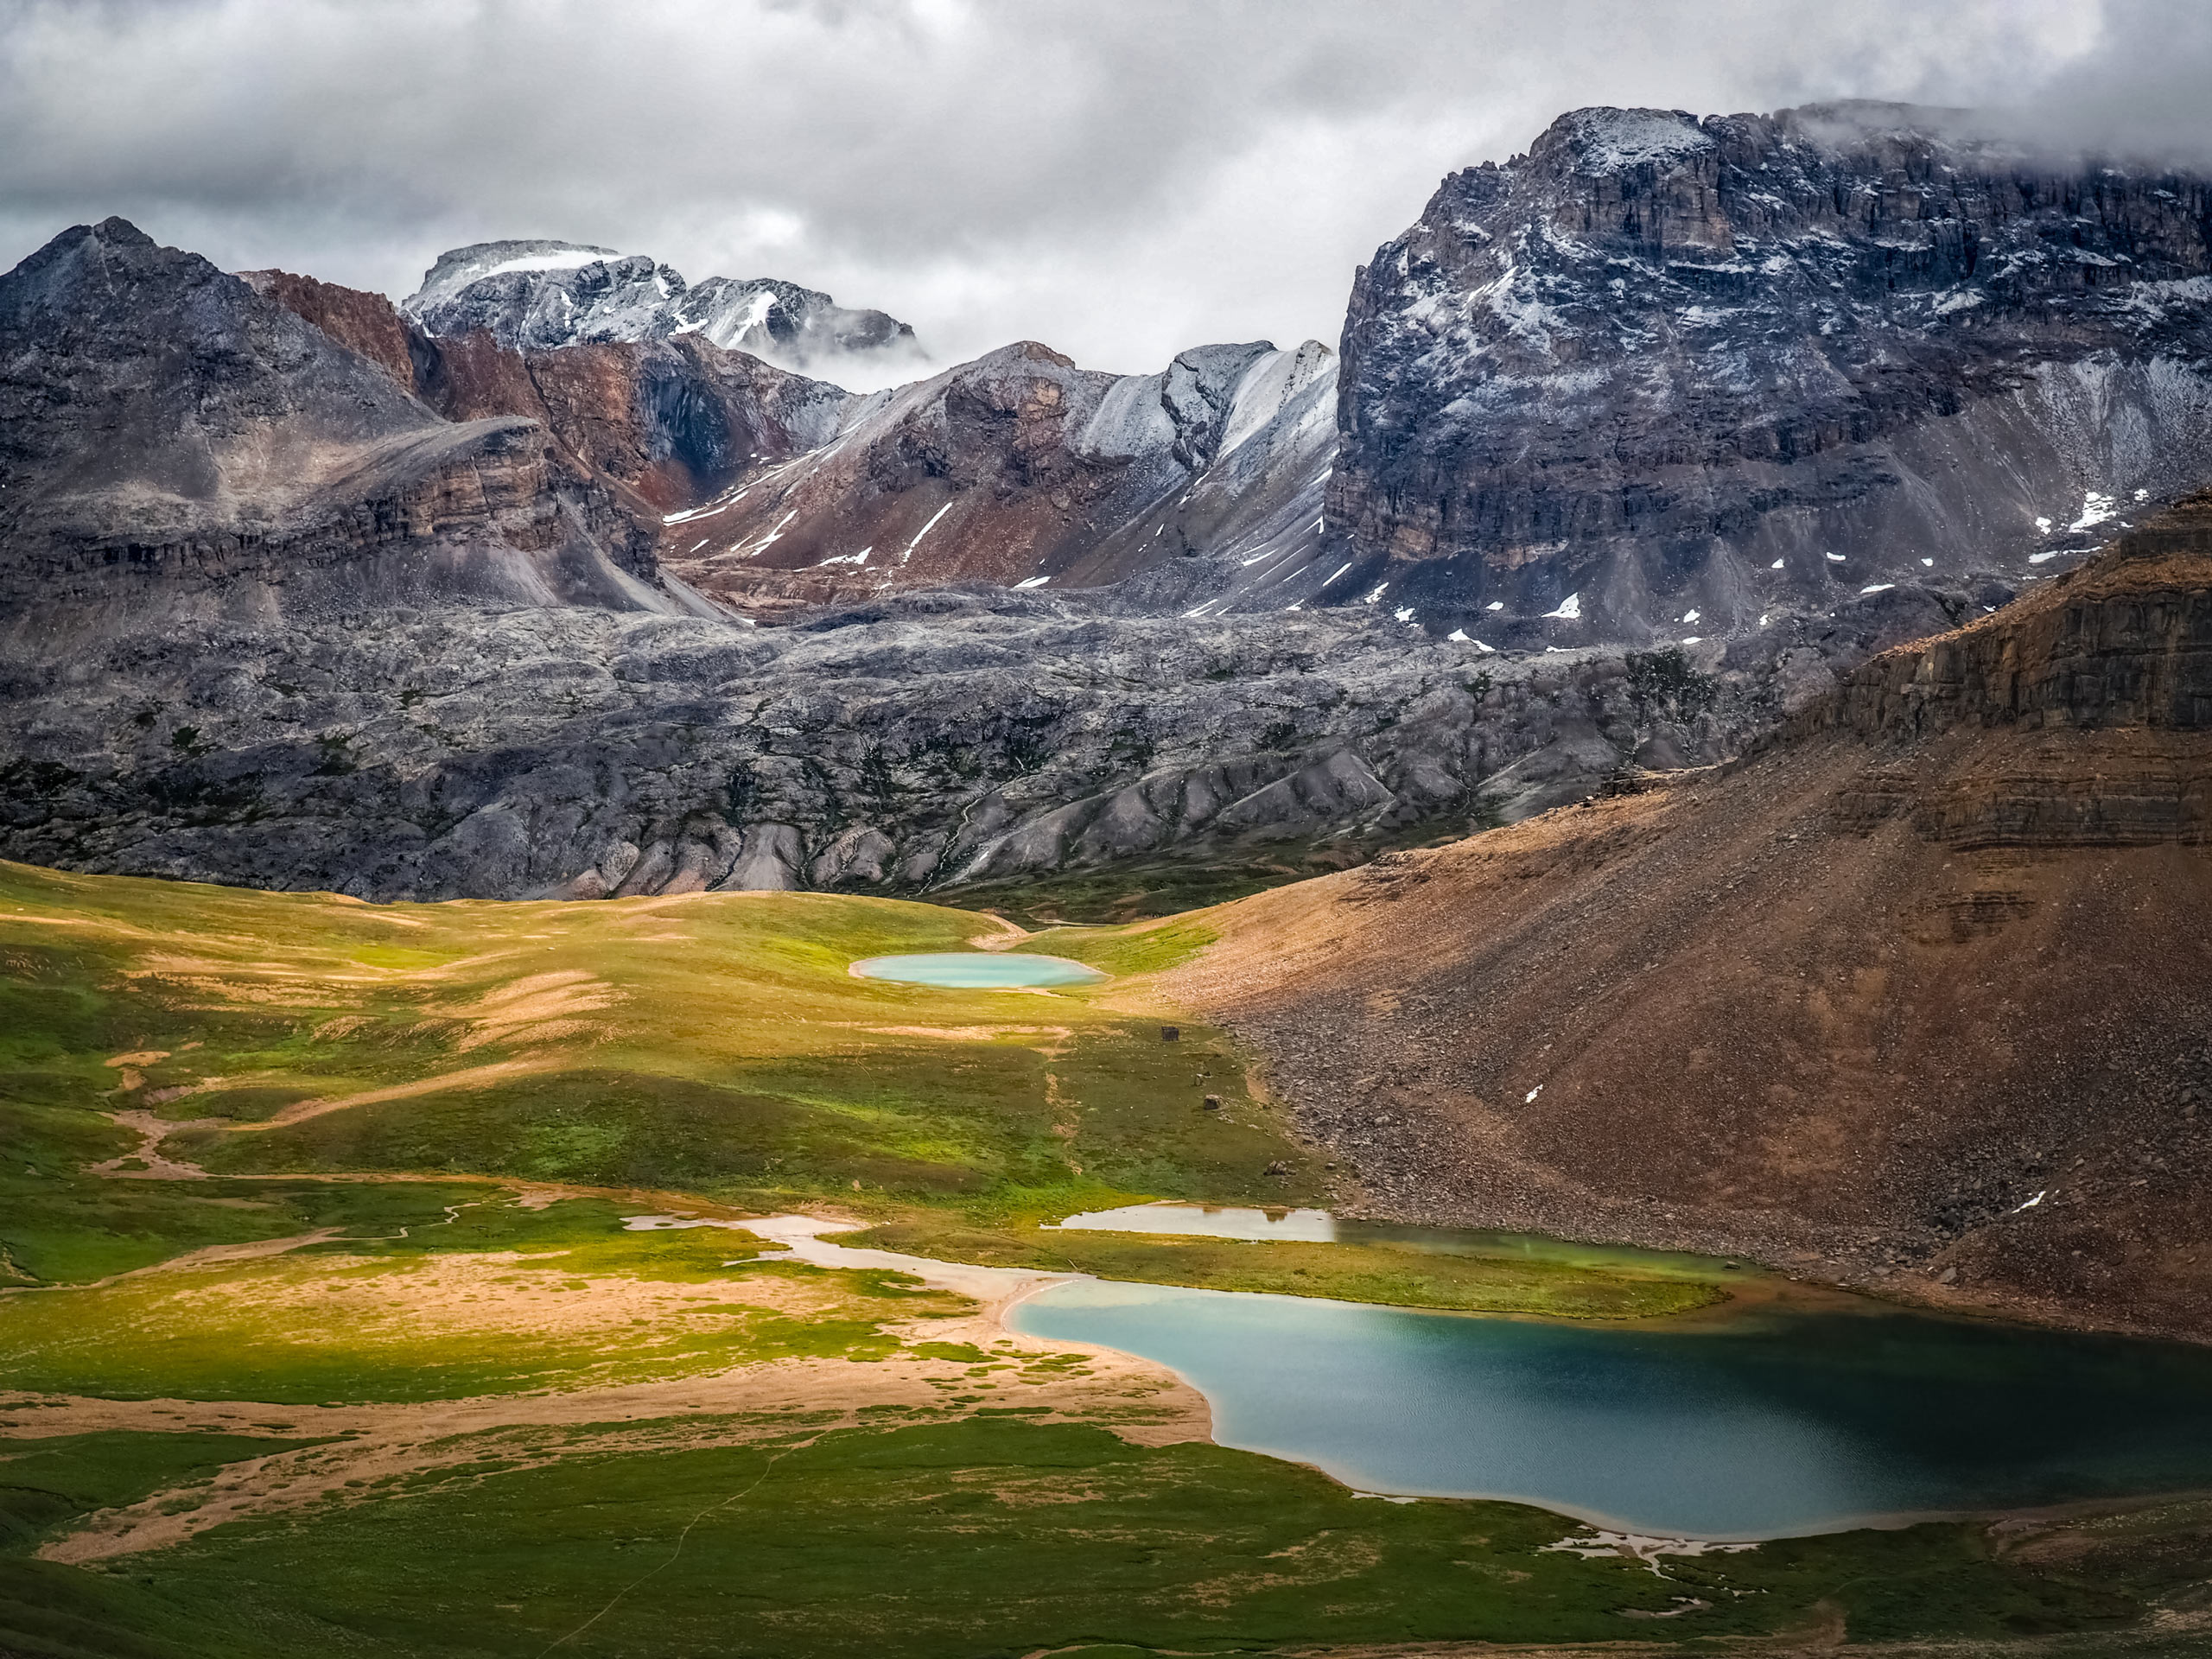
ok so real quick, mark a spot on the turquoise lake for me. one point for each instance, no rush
(977, 970)
(1777, 1424)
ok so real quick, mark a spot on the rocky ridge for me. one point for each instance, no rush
(1662, 376)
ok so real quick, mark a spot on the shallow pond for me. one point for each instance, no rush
(1782, 1423)
(977, 970)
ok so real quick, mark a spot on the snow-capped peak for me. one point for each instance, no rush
(544, 295)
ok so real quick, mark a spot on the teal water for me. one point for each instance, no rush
(1781, 1424)
(977, 970)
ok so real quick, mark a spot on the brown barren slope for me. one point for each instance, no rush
(1850, 1005)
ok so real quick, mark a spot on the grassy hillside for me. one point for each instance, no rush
(713, 1047)
(714, 1043)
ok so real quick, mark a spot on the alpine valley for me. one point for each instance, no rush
(1636, 824)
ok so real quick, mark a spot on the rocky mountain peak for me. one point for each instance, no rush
(1664, 376)
(537, 295)
(1600, 140)
(88, 265)
(141, 389)
(541, 295)
(459, 268)
(179, 439)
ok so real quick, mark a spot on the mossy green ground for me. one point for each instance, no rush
(988, 1537)
(715, 1045)
(711, 1054)
(501, 1301)
(1349, 1272)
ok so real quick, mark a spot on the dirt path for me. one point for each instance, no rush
(152, 1131)
(210, 1255)
(467, 1077)
(1004, 935)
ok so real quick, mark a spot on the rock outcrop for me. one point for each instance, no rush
(542, 295)
(1910, 999)
(2123, 641)
(1663, 376)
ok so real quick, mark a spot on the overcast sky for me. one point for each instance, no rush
(1119, 178)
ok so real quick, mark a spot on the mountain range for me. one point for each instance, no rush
(1635, 445)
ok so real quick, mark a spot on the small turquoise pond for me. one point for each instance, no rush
(977, 970)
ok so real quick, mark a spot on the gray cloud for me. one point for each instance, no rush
(1118, 179)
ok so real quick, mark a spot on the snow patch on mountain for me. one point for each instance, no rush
(1607, 140)
(566, 259)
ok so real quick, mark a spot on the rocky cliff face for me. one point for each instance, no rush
(542, 295)
(365, 324)
(1873, 1004)
(1663, 376)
